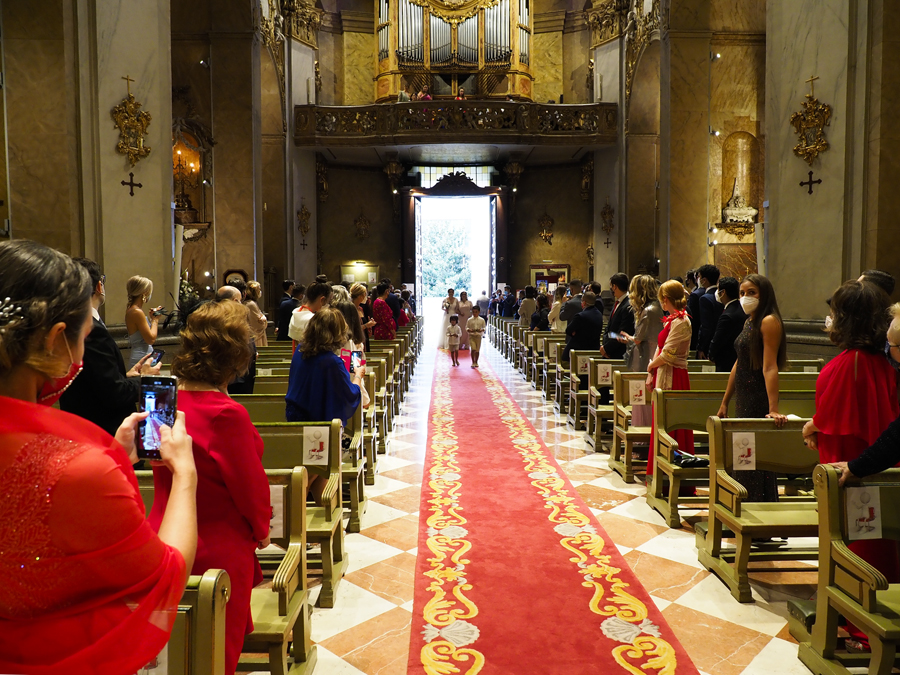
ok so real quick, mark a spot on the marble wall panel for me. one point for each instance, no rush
(354, 191)
(359, 66)
(555, 190)
(606, 187)
(640, 195)
(576, 53)
(236, 128)
(547, 65)
(275, 251)
(737, 16)
(331, 67)
(607, 72)
(805, 232)
(302, 266)
(40, 116)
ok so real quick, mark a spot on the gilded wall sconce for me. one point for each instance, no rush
(303, 216)
(809, 124)
(362, 227)
(546, 224)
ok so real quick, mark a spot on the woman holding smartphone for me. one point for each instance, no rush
(87, 585)
(142, 330)
(233, 509)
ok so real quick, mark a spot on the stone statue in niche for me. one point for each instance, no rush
(737, 210)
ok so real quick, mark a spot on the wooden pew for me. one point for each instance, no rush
(281, 616)
(269, 408)
(690, 410)
(197, 643)
(621, 455)
(780, 450)
(532, 340)
(553, 347)
(578, 376)
(395, 348)
(848, 586)
(284, 447)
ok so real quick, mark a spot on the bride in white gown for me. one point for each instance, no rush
(450, 305)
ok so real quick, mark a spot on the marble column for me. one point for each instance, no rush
(817, 240)
(302, 164)
(236, 126)
(126, 234)
(606, 187)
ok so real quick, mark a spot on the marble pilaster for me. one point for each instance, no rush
(606, 186)
(302, 264)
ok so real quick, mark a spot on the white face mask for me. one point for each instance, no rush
(749, 304)
(719, 297)
(829, 322)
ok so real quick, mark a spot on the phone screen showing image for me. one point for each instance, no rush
(158, 397)
(157, 357)
(613, 336)
(356, 360)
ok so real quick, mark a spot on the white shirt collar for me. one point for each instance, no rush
(730, 301)
(95, 313)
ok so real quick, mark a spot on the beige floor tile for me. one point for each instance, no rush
(379, 646)
(391, 579)
(663, 578)
(402, 533)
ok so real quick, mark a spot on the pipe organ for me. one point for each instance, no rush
(483, 45)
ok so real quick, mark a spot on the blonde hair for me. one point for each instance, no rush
(559, 293)
(136, 287)
(254, 291)
(674, 292)
(358, 290)
(642, 290)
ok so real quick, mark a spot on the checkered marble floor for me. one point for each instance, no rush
(368, 629)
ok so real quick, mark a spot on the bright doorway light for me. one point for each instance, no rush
(456, 236)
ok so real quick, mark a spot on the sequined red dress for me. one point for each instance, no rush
(86, 586)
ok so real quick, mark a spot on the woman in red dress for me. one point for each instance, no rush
(233, 508)
(668, 368)
(86, 586)
(856, 399)
(385, 326)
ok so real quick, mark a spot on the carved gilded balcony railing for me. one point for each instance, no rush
(455, 121)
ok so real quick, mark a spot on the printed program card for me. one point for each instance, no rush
(637, 392)
(604, 374)
(276, 498)
(743, 447)
(863, 513)
(315, 446)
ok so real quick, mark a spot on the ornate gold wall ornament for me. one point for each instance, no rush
(513, 171)
(546, 224)
(302, 21)
(271, 29)
(455, 11)
(303, 216)
(318, 78)
(590, 255)
(132, 123)
(587, 176)
(362, 227)
(321, 178)
(395, 171)
(606, 21)
(809, 124)
(607, 215)
(639, 30)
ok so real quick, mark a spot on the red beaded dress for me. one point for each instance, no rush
(86, 586)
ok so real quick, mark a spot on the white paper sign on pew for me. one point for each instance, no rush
(276, 524)
(604, 374)
(637, 392)
(584, 364)
(315, 446)
(159, 665)
(708, 368)
(553, 346)
(863, 513)
(264, 372)
(743, 448)
(540, 344)
(810, 369)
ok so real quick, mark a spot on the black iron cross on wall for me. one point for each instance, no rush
(810, 182)
(131, 184)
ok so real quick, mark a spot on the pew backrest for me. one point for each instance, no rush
(776, 449)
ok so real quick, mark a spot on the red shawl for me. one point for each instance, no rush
(86, 586)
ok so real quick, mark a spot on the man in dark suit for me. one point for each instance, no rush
(285, 309)
(585, 329)
(573, 305)
(287, 286)
(693, 310)
(509, 302)
(710, 308)
(620, 319)
(728, 327)
(104, 392)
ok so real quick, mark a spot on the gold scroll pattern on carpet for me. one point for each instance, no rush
(643, 649)
(447, 632)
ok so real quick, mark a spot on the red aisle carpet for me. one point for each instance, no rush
(514, 574)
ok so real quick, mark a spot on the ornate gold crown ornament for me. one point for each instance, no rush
(455, 11)
(809, 124)
(132, 123)
(546, 224)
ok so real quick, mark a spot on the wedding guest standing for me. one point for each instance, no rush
(450, 306)
(856, 400)
(385, 328)
(233, 510)
(258, 321)
(728, 327)
(761, 353)
(620, 319)
(540, 320)
(643, 292)
(86, 585)
(527, 306)
(558, 325)
(286, 309)
(668, 368)
(142, 330)
(464, 312)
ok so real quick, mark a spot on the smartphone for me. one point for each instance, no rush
(356, 360)
(613, 336)
(159, 398)
(157, 357)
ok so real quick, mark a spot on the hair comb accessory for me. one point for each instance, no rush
(9, 312)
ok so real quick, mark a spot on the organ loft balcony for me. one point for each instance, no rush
(451, 121)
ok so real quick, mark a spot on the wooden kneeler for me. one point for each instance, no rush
(281, 617)
(284, 447)
(849, 586)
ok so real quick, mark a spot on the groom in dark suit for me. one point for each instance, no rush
(104, 392)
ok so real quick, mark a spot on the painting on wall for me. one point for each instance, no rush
(360, 274)
(736, 260)
(549, 276)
